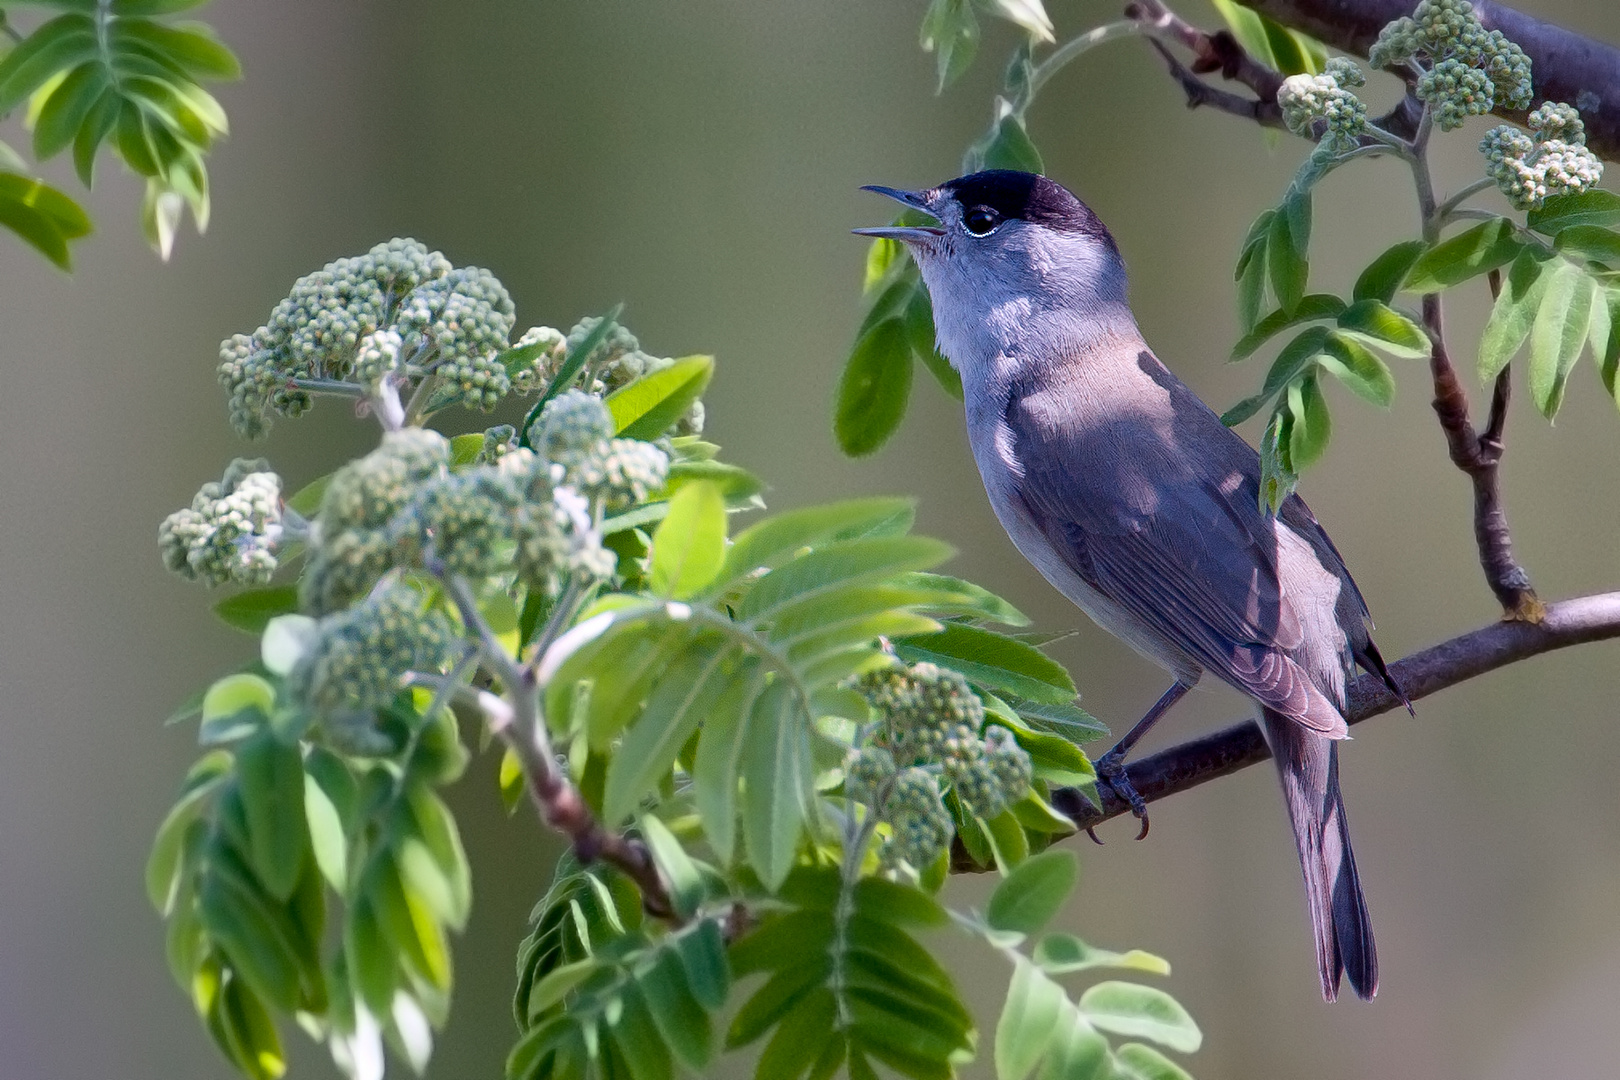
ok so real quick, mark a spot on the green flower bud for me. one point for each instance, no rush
(230, 531)
(360, 656)
(868, 774)
(922, 826)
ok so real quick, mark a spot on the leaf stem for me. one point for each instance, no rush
(1058, 58)
(1446, 209)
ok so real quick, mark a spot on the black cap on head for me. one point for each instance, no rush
(1030, 197)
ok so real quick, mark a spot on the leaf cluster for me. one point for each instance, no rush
(123, 73)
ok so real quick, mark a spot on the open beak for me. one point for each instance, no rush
(916, 200)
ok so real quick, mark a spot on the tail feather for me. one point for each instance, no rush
(1308, 765)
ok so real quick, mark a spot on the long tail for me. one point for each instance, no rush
(1309, 767)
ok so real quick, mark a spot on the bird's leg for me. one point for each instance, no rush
(1111, 766)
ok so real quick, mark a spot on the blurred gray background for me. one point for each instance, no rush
(700, 162)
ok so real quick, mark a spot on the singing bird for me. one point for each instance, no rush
(1133, 499)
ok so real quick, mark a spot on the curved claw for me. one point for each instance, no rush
(1095, 839)
(1143, 834)
(1111, 771)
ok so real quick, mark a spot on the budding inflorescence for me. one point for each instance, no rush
(359, 657)
(1553, 160)
(1307, 99)
(932, 722)
(575, 433)
(230, 531)
(1463, 69)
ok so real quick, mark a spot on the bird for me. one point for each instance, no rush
(1135, 501)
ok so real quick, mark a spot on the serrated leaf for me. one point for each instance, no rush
(1559, 333)
(874, 389)
(1312, 427)
(650, 406)
(703, 953)
(1293, 360)
(776, 781)
(1378, 325)
(1512, 315)
(1250, 273)
(993, 660)
(677, 706)
(1608, 357)
(1382, 278)
(1468, 254)
(800, 1038)
(1358, 369)
(1286, 269)
(1594, 206)
(772, 541)
(1034, 892)
(1314, 306)
(835, 565)
(958, 597)
(675, 1012)
(1143, 1012)
(718, 765)
(689, 545)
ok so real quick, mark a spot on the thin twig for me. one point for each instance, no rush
(1200, 92)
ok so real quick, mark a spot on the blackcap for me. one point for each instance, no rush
(1133, 499)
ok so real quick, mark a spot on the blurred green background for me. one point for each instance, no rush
(700, 162)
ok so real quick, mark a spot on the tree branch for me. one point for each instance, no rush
(1211, 52)
(1566, 623)
(1566, 66)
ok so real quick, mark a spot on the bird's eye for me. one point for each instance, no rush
(981, 221)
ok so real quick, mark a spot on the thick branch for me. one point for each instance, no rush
(1569, 622)
(1480, 457)
(1566, 66)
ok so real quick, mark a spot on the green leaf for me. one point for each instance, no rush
(1077, 1051)
(1358, 369)
(1143, 1012)
(881, 257)
(992, 660)
(1591, 242)
(1250, 274)
(636, 1039)
(950, 30)
(774, 540)
(1472, 252)
(1562, 320)
(250, 1036)
(650, 406)
(326, 835)
(1295, 358)
(1594, 206)
(1512, 315)
(306, 502)
(1059, 954)
(736, 484)
(252, 609)
(163, 866)
(837, 564)
(59, 44)
(958, 597)
(683, 697)
(681, 1021)
(800, 1038)
(1314, 306)
(1034, 892)
(874, 389)
(64, 111)
(920, 328)
(685, 882)
(689, 545)
(703, 952)
(1068, 720)
(1139, 1062)
(1383, 276)
(1007, 840)
(1376, 324)
(271, 774)
(1608, 357)
(1009, 147)
(1286, 266)
(775, 781)
(571, 366)
(1029, 1019)
(41, 216)
(1277, 476)
(1312, 427)
(235, 706)
(718, 764)
(557, 982)
(256, 937)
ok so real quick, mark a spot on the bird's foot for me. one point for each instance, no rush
(1111, 771)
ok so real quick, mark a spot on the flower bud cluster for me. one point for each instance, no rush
(1553, 160)
(458, 323)
(1306, 99)
(359, 657)
(617, 362)
(378, 357)
(316, 332)
(499, 441)
(553, 349)
(1466, 70)
(922, 826)
(229, 532)
(351, 543)
(575, 433)
(932, 720)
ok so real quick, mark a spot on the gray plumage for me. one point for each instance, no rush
(1133, 499)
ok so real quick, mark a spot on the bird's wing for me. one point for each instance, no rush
(1179, 545)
